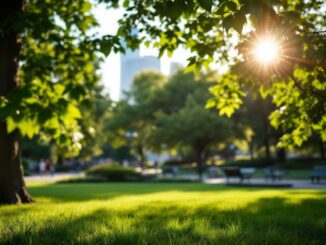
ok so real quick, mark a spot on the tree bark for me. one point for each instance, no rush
(266, 126)
(281, 155)
(200, 159)
(141, 154)
(322, 150)
(251, 150)
(12, 185)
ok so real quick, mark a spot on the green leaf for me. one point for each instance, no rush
(210, 103)
(86, 7)
(231, 6)
(227, 110)
(105, 47)
(228, 22)
(11, 125)
(206, 4)
(239, 21)
(73, 111)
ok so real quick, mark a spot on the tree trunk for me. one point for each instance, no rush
(281, 155)
(200, 162)
(12, 185)
(141, 154)
(322, 150)
(266, 127)
(251, 149)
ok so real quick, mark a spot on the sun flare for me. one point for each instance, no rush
(266, 51)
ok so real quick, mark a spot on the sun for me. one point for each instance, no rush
(266, 51)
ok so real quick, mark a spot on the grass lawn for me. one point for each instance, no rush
(140, 213)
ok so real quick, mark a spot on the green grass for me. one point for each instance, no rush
(140, 213)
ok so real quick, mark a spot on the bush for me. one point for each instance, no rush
(257, 163)
(303, 163)
(62, 168)
(87, 179)
(114, 173)
(176, 180)
(175, 162)
(294, 163)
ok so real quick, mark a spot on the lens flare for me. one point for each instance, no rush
(266, 51)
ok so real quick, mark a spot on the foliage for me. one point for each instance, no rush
(58, 62)
(293, 163)
(114, 173)
(257, 163)
(59, 59)
(174, 162)
(131, 122)
(206, 28)
(190, 213)
(192, 126)
(34, 150)
(254, 130)
(169, 115)
(183, 123)
(96, 111)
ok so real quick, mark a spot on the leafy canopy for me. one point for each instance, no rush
(206, 28)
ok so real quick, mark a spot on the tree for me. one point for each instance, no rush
(43, 45)
(132, 120)
(182, 120)
(194, 127)
(96, 112)
(199, 26)
(12, 186)
(54, 34)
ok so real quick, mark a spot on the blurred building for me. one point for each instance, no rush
(174, 66)
(131, 64)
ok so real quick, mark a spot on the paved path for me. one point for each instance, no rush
(55, 177)
(299, 184)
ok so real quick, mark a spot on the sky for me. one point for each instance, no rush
(110, 68)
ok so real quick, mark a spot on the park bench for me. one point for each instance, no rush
(214, 171)
(170, 170)
(317, 173)
(241, 173)
(273, 174)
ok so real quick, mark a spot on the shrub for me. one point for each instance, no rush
(303, 162)
(258, 163)
(86, 179)
(114, 173)
(175, 162)
(294, 163)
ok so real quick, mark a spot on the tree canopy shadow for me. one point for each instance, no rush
(105, 191)
(265, 221)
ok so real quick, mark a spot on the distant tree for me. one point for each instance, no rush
(96, 112)
(296, 82)
(194, 127)
(132, 120)
(182, 120)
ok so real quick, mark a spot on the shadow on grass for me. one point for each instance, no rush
(265, 221)
(105, 191)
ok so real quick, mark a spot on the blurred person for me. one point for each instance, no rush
(47, 166)
(42, 166)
